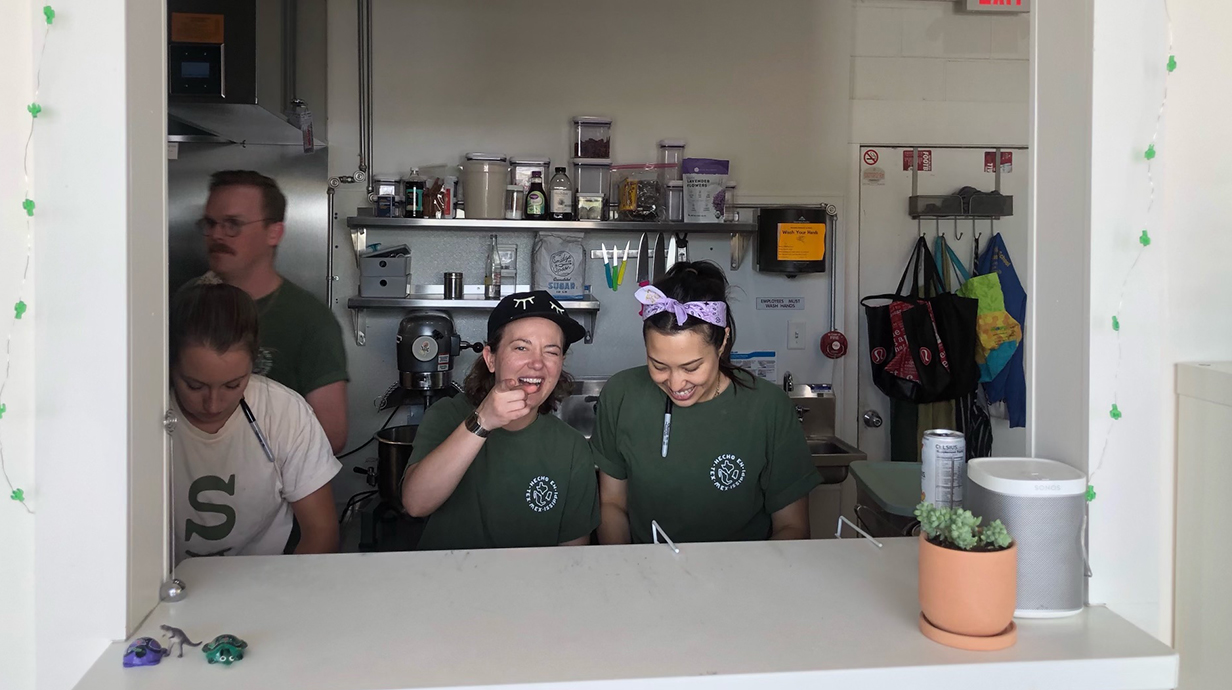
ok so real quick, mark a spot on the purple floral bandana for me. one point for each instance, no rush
(654, 301)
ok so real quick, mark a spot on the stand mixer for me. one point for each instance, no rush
(427, 347)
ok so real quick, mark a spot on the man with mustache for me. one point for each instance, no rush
(300, 340)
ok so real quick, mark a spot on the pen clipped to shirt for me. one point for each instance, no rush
(252, 422)
(667, 424)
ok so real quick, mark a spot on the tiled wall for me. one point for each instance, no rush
(923, 72)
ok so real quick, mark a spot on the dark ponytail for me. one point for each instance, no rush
(216, 316)
(699, 281)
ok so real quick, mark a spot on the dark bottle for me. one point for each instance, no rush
(536, 198)
(560, 195)
(414, 195)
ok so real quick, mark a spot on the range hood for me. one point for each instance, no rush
(234, 68)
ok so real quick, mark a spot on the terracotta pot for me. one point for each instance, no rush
(968, 592)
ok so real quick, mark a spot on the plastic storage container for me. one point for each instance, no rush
(675, 201)
(521, 168)
(592, 137)
(592, 175)
(484, 178)
(731, 214)
(671, 152)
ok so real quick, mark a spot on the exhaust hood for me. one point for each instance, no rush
(234, 68)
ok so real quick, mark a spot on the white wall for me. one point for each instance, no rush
(1175, 305)
(923, 72)
(96, 301)
(17, 426)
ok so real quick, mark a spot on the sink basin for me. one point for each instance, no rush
(578, 409)
(832, 456)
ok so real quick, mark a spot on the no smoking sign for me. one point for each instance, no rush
(871, 157)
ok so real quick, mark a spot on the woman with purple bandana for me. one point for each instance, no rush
(703, 447)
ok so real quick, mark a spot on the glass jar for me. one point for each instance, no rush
(515, 199)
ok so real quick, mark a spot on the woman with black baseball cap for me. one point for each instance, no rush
(493, 468)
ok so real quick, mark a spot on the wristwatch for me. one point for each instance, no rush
(473, 426)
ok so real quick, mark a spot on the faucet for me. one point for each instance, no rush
(788, 381)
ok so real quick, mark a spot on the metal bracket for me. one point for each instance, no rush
(589, 320)
(656, 530)
(169, 421)
(838, 533)
(359, 241)
(359, 322)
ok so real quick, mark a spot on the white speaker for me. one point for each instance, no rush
(1041, 503)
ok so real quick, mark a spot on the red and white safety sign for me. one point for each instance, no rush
(871, 157)
(926, 159)
(1007, 161)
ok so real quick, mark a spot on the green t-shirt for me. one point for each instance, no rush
(534, 487)
(731, 462)
(301, 341)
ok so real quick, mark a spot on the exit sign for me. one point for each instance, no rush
(998, 5)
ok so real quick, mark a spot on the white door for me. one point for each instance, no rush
(887, 235)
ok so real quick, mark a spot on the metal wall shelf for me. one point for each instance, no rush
(374, 222)
(587, 308)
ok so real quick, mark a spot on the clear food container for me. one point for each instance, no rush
(731, 214)
(592, 175)
(592, 137)
(520, 169)
(671, 152)
(675, 201)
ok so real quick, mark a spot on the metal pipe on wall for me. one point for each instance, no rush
(369, 94)
(290, 34)
(360, 84)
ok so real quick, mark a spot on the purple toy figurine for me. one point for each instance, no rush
(144, 651)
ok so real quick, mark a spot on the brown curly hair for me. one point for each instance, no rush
(479, 381)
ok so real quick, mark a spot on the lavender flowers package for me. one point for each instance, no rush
(704, 179)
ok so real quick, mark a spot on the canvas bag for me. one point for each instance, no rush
(922, 349)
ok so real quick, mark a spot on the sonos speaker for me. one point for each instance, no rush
(1041, 503)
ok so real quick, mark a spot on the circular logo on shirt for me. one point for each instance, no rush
(727, 472)
(926, 356)
(541, 495)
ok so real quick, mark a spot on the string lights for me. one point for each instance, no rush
(1144, 240)
(20, 307)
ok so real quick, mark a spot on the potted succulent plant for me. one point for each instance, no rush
(968, 579)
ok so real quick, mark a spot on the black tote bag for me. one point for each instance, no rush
(922, 348)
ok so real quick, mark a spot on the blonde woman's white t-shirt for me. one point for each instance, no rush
(230, 500)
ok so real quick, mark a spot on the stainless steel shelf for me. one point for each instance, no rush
(373, 222)
(587, 309)
(590, 304)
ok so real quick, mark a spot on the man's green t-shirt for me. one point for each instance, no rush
(534, 487)
(301, 341)
(731, 462)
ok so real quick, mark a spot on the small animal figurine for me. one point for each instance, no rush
(177, 636)
(144, 651)
(225, 649)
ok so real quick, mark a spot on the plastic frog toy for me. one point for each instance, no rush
(144, 651)
(225, 649)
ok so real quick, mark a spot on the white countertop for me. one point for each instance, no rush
(758, 615)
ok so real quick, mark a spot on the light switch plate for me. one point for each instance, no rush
(795, 335)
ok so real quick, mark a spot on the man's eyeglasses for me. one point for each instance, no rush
(230, 226)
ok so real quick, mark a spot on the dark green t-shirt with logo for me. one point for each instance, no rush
(534, 487)
(301, 341)
(731, 462)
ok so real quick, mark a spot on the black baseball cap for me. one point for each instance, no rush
(534, 303)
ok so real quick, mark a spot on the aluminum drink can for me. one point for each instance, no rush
(944, 468)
